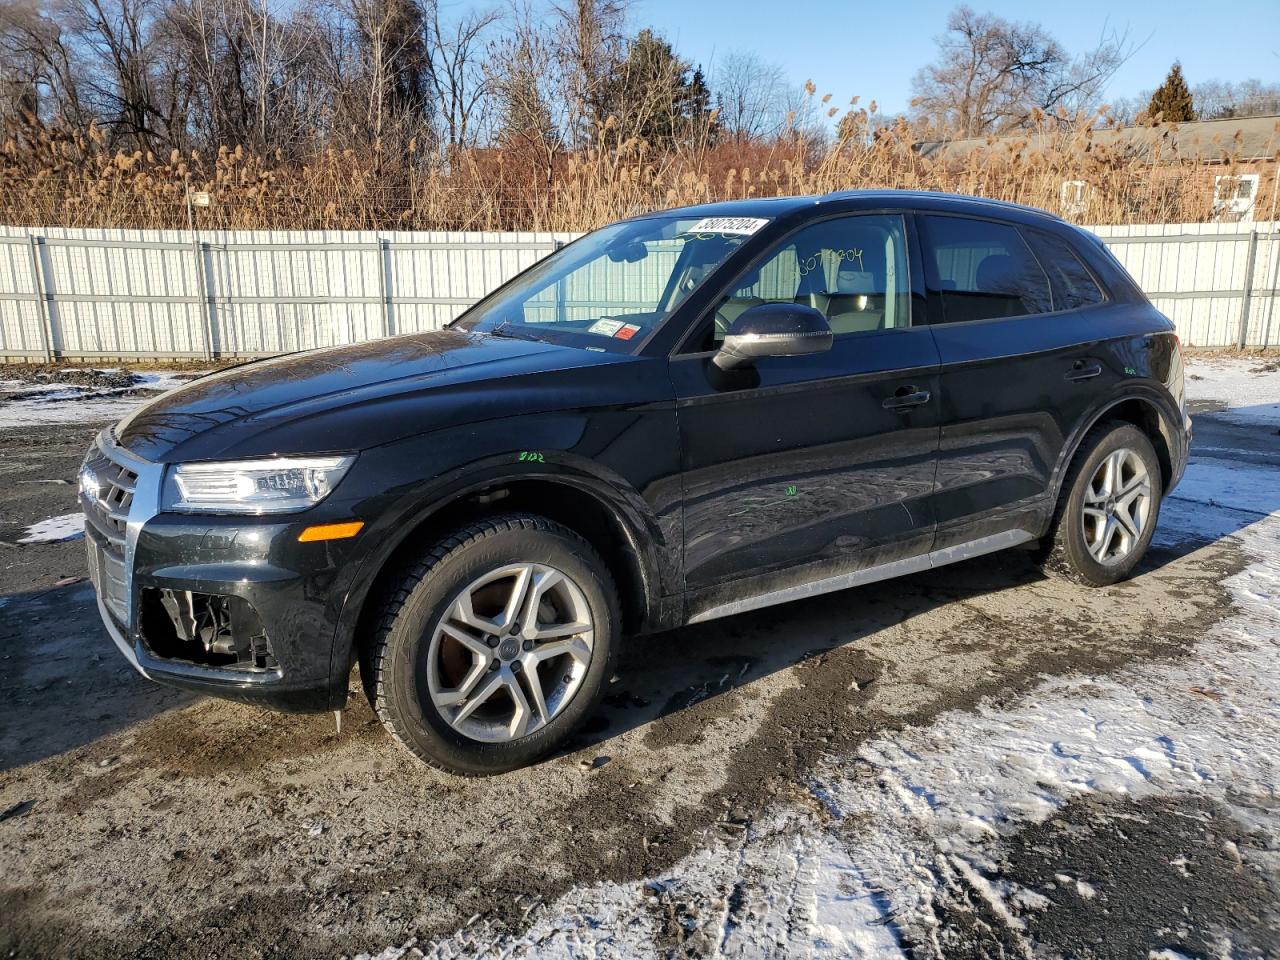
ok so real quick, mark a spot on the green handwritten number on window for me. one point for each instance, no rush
(532, 456)
(791, 490)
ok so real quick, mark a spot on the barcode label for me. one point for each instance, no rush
(743, 226)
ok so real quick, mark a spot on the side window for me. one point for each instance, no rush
(978, 270)
(853, 269)
(1072, 284)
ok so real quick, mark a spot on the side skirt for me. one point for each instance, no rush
(885, 571)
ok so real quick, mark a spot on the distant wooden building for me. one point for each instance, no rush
(1233, 161)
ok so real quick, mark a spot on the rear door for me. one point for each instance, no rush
(1020, 332)
(800, 468)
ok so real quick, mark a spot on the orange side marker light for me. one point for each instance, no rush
(331, 531)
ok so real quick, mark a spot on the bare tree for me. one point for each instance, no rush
(992, 74)
(456, 74)
(753, 97)
(1217, 99)
(377, 62)
(242, 69)
(590, 45)
(522, 73)
(118, 47)
(38, 67)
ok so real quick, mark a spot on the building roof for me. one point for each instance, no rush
(1248, 139)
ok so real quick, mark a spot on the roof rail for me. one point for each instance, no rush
(938, 196)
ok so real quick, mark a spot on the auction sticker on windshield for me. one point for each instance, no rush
(744, 226)
(605, 327)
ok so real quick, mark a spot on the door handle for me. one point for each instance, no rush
(1083, 371)
(904, 398)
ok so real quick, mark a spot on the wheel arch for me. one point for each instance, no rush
(1147, 411)
(625, 535)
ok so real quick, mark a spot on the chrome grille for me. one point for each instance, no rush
(106, 494)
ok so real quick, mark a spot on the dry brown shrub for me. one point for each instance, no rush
(69, 178)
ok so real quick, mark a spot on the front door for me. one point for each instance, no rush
(798, 469)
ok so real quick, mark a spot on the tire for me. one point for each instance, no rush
(1082, 514)
(425, 670)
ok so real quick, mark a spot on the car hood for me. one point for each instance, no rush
(342, 398)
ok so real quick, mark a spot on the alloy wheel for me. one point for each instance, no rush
(510, 653)
(1117, 506)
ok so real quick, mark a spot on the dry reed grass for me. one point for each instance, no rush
(72, 179)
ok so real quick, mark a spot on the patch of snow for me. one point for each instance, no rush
(1140, 732)
(1029, 900)
(1226, 484)
(69, 526)
(24, 404)
(1250, 391)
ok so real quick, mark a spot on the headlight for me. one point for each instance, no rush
(278, 485)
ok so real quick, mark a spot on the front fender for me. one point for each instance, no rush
(555, 452)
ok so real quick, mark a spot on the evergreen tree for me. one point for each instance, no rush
(699, 110)
(1172, 99)
(656, 96)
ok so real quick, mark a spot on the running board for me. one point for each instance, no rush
(883, 571)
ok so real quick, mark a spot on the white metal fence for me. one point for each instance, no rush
(169, 293)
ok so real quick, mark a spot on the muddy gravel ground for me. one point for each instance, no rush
(142, 822)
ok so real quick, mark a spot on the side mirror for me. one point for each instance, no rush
(773, 330)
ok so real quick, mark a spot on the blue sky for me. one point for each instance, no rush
(872, 49)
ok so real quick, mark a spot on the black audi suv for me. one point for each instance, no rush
(685, 415)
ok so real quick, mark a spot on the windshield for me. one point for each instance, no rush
(611, 288)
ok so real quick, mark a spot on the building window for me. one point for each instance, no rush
(1234, 197)
(1074, 197)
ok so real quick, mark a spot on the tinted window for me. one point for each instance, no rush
(853, 269)
(1073, 286)
(978, 269)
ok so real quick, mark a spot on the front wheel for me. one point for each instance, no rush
(1108, 507)
(494, 645)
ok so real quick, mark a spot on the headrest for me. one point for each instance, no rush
(998, 273)
(850, 280)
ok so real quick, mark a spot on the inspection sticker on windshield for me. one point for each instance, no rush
(744, 226)
(626, 331)
(605, 328)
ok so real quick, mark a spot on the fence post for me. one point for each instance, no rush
(1246, 299)
(208, 305)
(384, 288)
(42, 304)
(560, 289)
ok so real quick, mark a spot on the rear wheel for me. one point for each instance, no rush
(495, 645)
(1108, 507)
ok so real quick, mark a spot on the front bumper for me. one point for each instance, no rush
(295, 591)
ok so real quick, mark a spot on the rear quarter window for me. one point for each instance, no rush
(1072, 283)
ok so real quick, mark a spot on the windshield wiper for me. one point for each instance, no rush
(505, 330)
